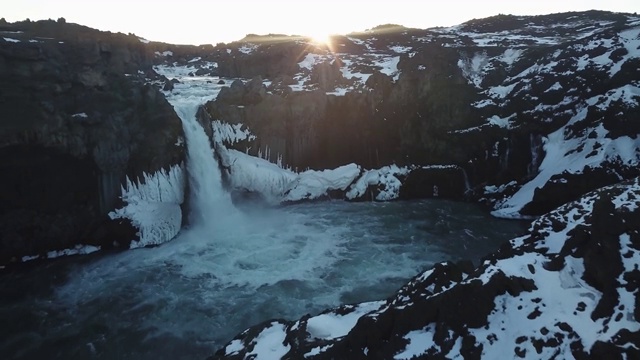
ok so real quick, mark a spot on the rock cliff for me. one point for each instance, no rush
(532, 110)
(76, 121)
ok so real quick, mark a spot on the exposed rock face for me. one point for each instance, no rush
(567, 289)
(267, 56)
(540, 102)
(73, 126)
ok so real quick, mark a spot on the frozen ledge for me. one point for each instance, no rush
(153, 206)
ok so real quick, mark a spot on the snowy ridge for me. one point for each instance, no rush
(153, 205)
(563, 290)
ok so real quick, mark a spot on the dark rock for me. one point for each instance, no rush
(73, 128)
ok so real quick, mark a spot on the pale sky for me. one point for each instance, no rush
(212, 21)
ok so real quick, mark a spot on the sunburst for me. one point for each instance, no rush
(321, 38)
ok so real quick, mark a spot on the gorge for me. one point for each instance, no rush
(228, 165)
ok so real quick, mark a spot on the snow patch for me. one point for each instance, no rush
(269, 344)
(332, 326)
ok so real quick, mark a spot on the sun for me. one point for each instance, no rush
(321, 38)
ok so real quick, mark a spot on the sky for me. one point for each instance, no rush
(213, 21)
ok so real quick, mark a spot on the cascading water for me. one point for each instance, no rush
(208, 201)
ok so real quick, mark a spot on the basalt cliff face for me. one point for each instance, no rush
(75, 121)
(531, 111)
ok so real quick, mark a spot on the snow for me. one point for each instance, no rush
(234, 347)
(385, 178)
(153, 205)
(492, 189)
(389, 66)
(277, 185)
(400, 49)
(472, 68)
(419, 342)
(318, 350)
(76, 250)
(248, 48)
(80, 115)
(312, 184)
(310, 60)
(559, 293)
(500, 91)
(564, 154)
(504, 123)
(332, 326)
(348, 74)
(482, 103)
(164, 53)
(11, 40)
(339, 91)
(555, 86)
(628, 200)
(510, 56)
(30, 257)
(144, 41)
(356, 41)
(628, 94)
(269, 343)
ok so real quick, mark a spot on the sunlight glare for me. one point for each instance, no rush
(322, 38)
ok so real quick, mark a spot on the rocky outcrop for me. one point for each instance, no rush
(76, 122)
(535, 102)
(566, 289)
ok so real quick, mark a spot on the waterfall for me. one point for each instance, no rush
(208, 199)
(209, 202)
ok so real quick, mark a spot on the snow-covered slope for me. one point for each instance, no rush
(568, 289)
(580, 93)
